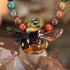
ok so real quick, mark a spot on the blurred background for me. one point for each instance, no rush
(46, 10)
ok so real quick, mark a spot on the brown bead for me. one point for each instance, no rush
(55, 22)
(18, 20)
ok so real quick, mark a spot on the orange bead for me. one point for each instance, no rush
(22, 26)
(48, 27)
(60, 14)
(18, 20)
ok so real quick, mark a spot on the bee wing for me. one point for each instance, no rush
(51, 35)
(16, 34)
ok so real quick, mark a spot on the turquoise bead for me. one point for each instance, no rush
(11, 5)
(64, 0)
(13, 13)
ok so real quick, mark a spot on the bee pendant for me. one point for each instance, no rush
(34, 39)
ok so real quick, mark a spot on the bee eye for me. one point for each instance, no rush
(35, 22)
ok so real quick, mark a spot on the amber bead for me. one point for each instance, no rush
(18, 20)
(55, 21)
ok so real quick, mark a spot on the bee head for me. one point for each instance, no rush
(34, 25)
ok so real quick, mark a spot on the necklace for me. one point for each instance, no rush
(35, 34)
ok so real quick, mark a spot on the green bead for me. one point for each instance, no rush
(64, 0)
(13, 13)
(11, 5)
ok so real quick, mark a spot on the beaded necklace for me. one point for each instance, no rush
(34, 35)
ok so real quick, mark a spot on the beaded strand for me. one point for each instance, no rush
(48, 27)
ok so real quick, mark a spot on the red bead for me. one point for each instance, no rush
(22, 26)
(48, 27)
(60, 14)
(18, 20)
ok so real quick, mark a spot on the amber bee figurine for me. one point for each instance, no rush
(34, 38)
